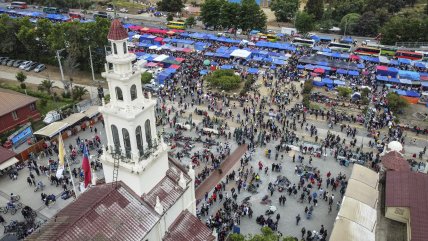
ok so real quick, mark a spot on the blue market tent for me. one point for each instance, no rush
(318, 83)
(203, 72)
(327, 81)
(424, 84)
(209, 54)
(353, 73)
(404, 61)
(222, 49)
(406, 81)
(420, 65)
(316, 38)
(393, 62)
(361, 66)
(325, 39)
(278, 61)
(227, 66)
(409, 93)
(253, 71)
(341, 71)
(300, 66)
(411, 75)
(309, 66)
(347, 40)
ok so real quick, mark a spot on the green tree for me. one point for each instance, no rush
(284, 9)
(327, 21)
(21, 77)
(224, 80)
(79, 92)
(405, 29)
(171, 6)
(316, 8)
(211, 12)
(349, 23)
(251, 16)
(8, 30)
(304, 22)
(229, 15)
(46, 85)
(395, 102)
(146, 78)
(382, 15)
(367, 25)
(341, 8)
(344, 91)
(169, 17)
(190, 21)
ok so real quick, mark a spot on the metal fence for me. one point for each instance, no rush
(412, 45)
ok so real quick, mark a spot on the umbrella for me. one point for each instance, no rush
(207, 62)
(319, 70)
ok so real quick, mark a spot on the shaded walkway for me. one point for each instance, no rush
(215, 176)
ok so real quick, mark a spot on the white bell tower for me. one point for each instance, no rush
(132, 141)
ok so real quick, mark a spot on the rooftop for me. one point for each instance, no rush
(395, 161)
(11, 100)
(410, 189)
(187, 227)
(5, 154)
(117, 31)
(101, 213)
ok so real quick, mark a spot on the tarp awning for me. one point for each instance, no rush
(52, 129)
(74, 118)
(240, 53)
(91, 111)
(358, 212)
(8, 163)
(362, 192)
(365, 175)
(346, 230)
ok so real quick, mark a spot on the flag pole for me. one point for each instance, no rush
(64, 156)
(72, 179)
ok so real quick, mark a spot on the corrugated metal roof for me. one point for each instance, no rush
(187, 227)
(101, 213)
(395, 161)
(410, 189)
(11, 100)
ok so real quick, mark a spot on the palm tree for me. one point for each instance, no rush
(79, 92)
(46, 85)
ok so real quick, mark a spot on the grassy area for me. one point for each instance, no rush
(128, 5)
(50, 105)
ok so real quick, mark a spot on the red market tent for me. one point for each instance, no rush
(319, 70)
(174, 66)
(179, 59)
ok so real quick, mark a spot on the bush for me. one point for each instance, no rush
(224, 80)
(23, 86)
(307, 87)
(306, 100)
(344, 91)
(146, 78)
(43, 102)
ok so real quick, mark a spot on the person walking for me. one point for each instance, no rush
(298, 219)
(303, 232)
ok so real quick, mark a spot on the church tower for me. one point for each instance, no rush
(133, 144)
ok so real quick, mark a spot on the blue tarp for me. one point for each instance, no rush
(361, 66)
(279, 61)
(226, 67)
(327, 81)
(424, 84)
(341, 71)
(324, 38)
(318, 83)
(253, 70)
(203, 72)
(386, 79)
(420, 65)
(353, 73)
(409, 93)
(347, 40)
(309, 66)
(404, 61)
(338, 82)
(393, 62)
(405, 81)
(316, 38)
(411, 75)
(300, 66)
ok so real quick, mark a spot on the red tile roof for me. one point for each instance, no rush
(11, 100)
(117, 31)
(5, 154)
(101, 213)
(410, 189)
(168, 190)
(394, 161)
(187, 227)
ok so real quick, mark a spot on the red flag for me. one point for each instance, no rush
(86, 166)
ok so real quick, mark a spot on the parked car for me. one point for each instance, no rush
(25, 64)
(151, 87)
(158, 14)
(101, 15)
(17, 63)
(51, 117)
(10, 62)
(4, 61)
(40, 68)
(123, 10)
(3, 58)
(31, 66)
(109, 9)
(141, 11)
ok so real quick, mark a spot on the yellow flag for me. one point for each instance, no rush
(61, 152)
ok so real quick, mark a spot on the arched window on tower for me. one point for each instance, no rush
(114, 48)
(125, 50)
(148, 133)
(133, 92)
(139, 137)
(126, 142)
(119, 94)
(116, 140)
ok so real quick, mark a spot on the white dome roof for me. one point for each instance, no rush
(395, 146)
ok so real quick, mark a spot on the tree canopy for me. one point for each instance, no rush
(284, 9)
(316, 8)
(395, 102)
(172, 6)
(304, 22)
(224, 80)
(246, 15)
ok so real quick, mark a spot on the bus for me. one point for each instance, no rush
(51, 10)
(303, 42)
(272, 37)
(388, 50)
(339, 47)
(20, 5)
(424, 55)
(401, 54)
(176, 25)
(363, 50)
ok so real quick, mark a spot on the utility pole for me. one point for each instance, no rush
(60, 65)
(92, 65)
